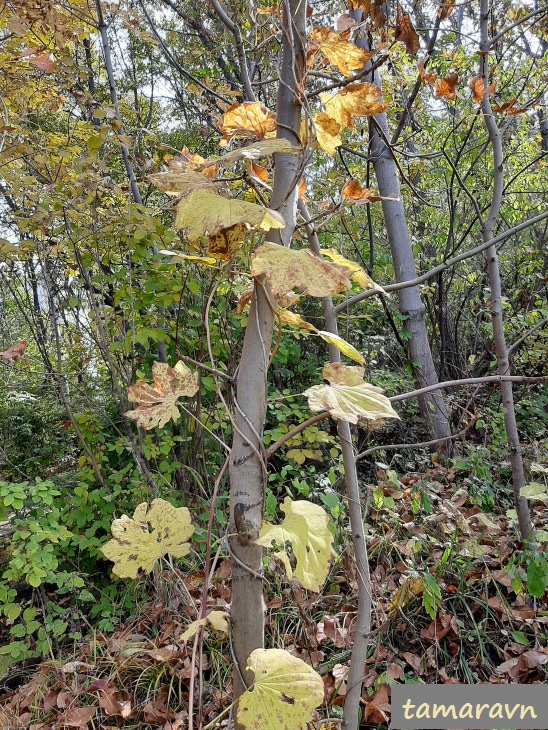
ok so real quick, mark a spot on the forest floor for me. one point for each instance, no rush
(479, 625)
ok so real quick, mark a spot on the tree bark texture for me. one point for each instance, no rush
(410, 303)
(362, 625)
(497, 316)
(247, 466)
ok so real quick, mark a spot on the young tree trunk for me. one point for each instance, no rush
(497, 317)
(247, 466)
(432, 404)
(362, 626)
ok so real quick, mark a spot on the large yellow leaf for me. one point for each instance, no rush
(355, 100)
(286, 269)
(342, 345)
(284, 693)
(157, 403)
(305, 527)
(343, 54)
(348, 398)
(205, 212)
(249, 119)
(358, 275)
(327, 132)
(134, 547)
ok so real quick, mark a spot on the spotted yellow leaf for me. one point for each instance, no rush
(343, 54)
(180, 180)
(284, 693)
(249, 119)
(327, 132)
(157, 403)
(347, 398)
(206, 212)
(138, 542)
(287, 269)
(358, 274)
(255, 151)
(306, 527)
(355, 100)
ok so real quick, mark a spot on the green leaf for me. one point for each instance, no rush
(537, 576)
(431, 597)
(12, 611)
(18, 631)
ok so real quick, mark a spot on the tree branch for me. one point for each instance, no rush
(443, 266)
(240, 50)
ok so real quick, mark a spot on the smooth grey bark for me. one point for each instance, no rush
(497, 316)
(432, 405)
(247, 466)
(362, 627)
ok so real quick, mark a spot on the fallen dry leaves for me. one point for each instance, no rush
(98, 687)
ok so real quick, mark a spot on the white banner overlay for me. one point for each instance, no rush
(469, 707)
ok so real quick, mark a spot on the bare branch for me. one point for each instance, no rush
(445, 265)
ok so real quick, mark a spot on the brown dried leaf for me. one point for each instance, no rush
(343, 54)
(286, 269)
(377, 709)
(405, 33)
(478, 89)
(413, 660)
(78, 717)
(157, 403)
(14, 352)
(426, 76)
(244, 300)
(446, 8)
(353, 192)
(510, 108)
(44, 63)
(345, 22)
(224, 244)
(258, 173)
(446, 87)
(355, 100)
(374, 9)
